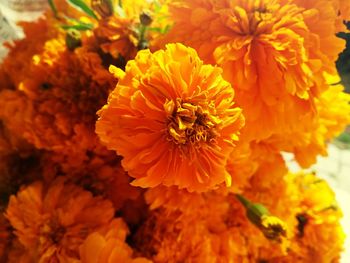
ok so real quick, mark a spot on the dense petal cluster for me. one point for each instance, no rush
(173, 119)
(177, 152)
(108, 245)
(274, 53)
(311, 140)
(54, 107)
(52, 222)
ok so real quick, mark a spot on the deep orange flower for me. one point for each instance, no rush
(100, 172)
(215, 229)
(36, 34)
(108, 245)
(54, 106)
(51, 223)
(274, 53)
(173, 120)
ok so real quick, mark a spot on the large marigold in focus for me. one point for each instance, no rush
(173, 119)
(274, 51)
(51, 223)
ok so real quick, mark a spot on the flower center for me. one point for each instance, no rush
(254, 20)
(52, 232)
(188, 123)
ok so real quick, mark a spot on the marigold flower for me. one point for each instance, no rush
(117, 37)
(213, 230)
(257, 165)
(122, 34)
(319, 234)
(108, 245)
(51, 223)
(173, 120)
(275, 53)
(36, 34)
(310, 140)
(100, 172)
(54, 107)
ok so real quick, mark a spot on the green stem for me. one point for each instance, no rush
(244, 201)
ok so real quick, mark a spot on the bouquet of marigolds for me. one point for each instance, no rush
(153, 131)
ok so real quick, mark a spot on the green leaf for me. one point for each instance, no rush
(344, 138)
(77, 21)
(83, 7)
(80, 27)
(155, 29)
(53, 7)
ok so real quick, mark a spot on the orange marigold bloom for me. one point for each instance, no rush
(213, 230)
(117, 36)
(255, 164)
(52, 222)
(36, 33)
(121, 34)
(310, 140)
(108, 245)
(54, 106)
(319, 235)
(101, 173)
(273, 51)
(173, 120)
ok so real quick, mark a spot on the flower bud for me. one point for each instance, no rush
(146, 18)
(103, 7)
(73, 39)
(272, 227)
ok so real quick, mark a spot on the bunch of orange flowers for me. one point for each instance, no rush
(153, 131)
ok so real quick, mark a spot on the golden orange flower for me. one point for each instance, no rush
(273, 52)
(255, 165)
(213, 230)
(52, 222)
(117, 36)
(319, 235)
(108, 245)
(310, 140)
(173, 120)
(123, 33)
